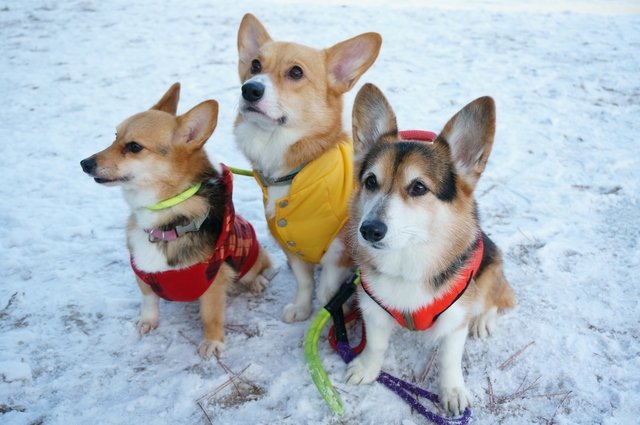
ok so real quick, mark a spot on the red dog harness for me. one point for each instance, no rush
(424, 317)
(237, 245)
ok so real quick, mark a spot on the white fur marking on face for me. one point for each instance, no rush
(270, 109)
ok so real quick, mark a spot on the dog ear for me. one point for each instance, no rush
(469, 135)
(251, 36)
(169, 102)
(372, 118)
(348, 60)
(195, 127)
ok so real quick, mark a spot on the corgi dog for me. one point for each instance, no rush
(413, 228)
(184, 239)
(289, 126)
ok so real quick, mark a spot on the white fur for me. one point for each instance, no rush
(331, 276)
(408, 255)
(302, 305)
(265, 138)
(149, 313)
(208, 348)
(265, 141)
(450, 329)
(147, 256)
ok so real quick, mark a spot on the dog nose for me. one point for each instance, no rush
(373, 230)
(88, 164)
(252, 91)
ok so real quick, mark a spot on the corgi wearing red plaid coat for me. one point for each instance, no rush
(185, 241)
(425, 263)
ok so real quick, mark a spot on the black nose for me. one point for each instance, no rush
(373, 230)
(252, 91)
(88, 164)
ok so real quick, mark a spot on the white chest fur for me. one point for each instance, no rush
(147, 256)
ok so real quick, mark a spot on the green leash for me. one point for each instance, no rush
(318, 373)
(168, 203)
(240, 171)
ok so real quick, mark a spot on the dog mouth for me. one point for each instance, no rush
(101, 180)
(253, 110)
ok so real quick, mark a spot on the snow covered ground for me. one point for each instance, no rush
(560, 196)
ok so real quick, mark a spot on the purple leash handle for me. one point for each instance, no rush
(408, 391)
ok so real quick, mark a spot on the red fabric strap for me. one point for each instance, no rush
(421, 135)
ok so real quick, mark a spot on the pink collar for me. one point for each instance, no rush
(156, 235)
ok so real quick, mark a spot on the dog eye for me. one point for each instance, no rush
(133, 147)
(256, 67)
(418, 189)
(371, 183)
(296, 73)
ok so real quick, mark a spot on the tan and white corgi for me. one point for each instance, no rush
(184, 239)
(289, 126)
(414, 230)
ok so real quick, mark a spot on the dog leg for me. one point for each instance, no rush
(333, 272)
(302, 305)
(212, 308)
(149, 310)
(454, 396)
(260, 274)
(366, 367)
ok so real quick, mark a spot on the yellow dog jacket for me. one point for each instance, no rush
(314, 211)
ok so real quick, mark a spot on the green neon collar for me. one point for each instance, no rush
(176, 199)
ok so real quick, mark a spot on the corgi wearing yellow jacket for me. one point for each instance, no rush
(289, 126)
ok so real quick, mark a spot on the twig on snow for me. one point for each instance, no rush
(427, 369)
(492, 397)
(204, 411)
(510, 360)
(187, 338)
(558, 408)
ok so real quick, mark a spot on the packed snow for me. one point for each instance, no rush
(560, 196)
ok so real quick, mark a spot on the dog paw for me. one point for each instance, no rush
(359, 373)
(208, 348)
(296, 313)
(455, 400)
(144, 326)
(258, 285)
(483, 326)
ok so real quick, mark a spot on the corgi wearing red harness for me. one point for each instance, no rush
(425, 263)
(185, 241)
(289, 126)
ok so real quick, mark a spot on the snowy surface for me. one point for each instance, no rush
(560, 196)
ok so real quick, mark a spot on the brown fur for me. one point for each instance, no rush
(171, 160)
(317, 98)
(413, 227)
(436, 163)
(287, 119)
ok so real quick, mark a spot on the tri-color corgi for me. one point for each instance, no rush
(289, 126)
(425, 263)
(184, 238)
